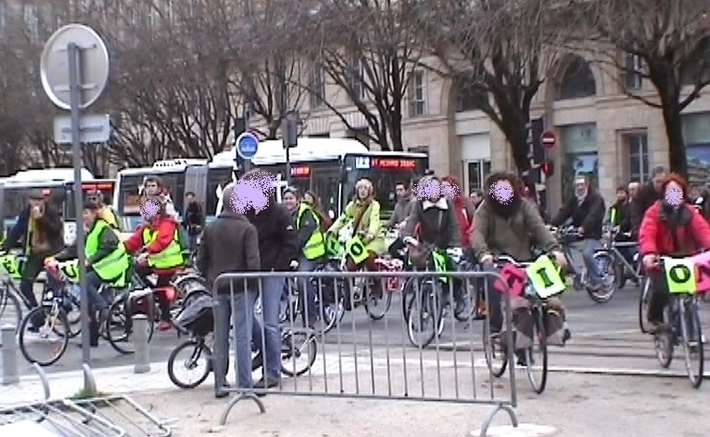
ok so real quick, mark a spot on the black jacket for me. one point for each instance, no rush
(305, 228)
(278, 240)
(438, 223)
(50, 225)
(646, 196)
(193, 218)
(588, 215)
(229, 244)
(622, 217)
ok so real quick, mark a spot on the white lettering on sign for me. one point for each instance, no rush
(362, 162)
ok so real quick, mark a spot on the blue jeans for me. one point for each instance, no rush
(271, 291)
(304, 284)
(593, 273)
(243, 317)
(93, 283)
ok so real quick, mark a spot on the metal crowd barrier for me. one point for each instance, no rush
(361, 357)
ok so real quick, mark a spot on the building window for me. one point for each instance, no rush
(578, 80)
(417, 94)
(476, 174)
(632, 73)
(357, 85)
(637, 148)
(317, 87)
(31, 21)
(470, 97)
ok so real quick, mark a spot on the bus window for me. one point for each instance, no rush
(325, 183)
(16, 199)
(129, 197)
(104, 187)
(215, 177)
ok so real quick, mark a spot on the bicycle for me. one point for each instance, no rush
(568, 236)
(294, 307)
(644, 298)
(539, 310)
(681, 327)
(430, 309)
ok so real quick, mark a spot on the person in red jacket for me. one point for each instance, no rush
(157, 241)
(451, 188)
(670, 227)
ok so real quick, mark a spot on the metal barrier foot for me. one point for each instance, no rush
(508, 409)
(233, 402)
(42, 379)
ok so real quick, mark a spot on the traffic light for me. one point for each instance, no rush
(547, 168)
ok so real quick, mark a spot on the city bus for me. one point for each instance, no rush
(179, 176)
(331, 167)
(57, 184)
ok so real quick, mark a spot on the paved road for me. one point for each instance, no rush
(608, 330)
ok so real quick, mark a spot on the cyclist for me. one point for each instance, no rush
(586, 212)
(154, 187)
(401, 213)
(363, 214)
(161, 253)
(310, 198)
(39, 226)
(106, 262)
(506, 224)
(646, 196)
(311, 244)
(619, 218)
(105, 211)
(670, 227)
(435, 218)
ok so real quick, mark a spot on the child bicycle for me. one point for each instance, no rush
(538, 316)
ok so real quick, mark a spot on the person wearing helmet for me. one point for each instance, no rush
(105, 212)
(158, 242)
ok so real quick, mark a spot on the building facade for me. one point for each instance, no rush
(600, 130)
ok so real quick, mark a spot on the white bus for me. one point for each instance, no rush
(58, 185)
(330, 167)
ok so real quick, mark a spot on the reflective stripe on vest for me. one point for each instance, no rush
(315, 246)
(169, 257)
(114, 265)
(612, 215)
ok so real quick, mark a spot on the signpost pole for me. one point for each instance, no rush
(247, 116)
(73, 52)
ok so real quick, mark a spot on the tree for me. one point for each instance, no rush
(499, 50)
(672, 41)
(369, 51)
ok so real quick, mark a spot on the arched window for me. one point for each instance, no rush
(577, 81)
(469, 97)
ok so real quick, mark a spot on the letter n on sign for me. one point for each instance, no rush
(702, 271)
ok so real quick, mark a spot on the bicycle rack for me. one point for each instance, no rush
(104, 416)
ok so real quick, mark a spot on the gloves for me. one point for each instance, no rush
(455, 252)
(487, 259)
(649, 260)
(142, 259)
(293, 265)
(560, 258)
(411, 241)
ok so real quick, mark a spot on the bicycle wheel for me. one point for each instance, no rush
(45, 345)
(10, 309)
(377, 307)
(119, 328)
(73, 310)
(539, 343)
(693, 346)
(495, 351)
(605, 263)
(408, 292)
(295, 347)
(421, 317)
(196, 366)
(643, 305)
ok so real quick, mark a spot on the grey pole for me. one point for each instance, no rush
(141, 354)
(10, 374)
(74, 96)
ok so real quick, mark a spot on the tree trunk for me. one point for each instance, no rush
(674, 131)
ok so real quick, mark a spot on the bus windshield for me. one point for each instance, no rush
(104, 187)
(216, 177)
(385, 173)
(17, 198)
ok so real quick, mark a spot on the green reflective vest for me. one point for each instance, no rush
(168, 258)
(315, 246)
(112, 267)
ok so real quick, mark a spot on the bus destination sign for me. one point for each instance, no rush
(302, 171)
(393, 163)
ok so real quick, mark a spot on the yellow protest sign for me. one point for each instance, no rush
(680, 275)
(545, 278)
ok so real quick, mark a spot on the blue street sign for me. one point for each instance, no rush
(247, 145)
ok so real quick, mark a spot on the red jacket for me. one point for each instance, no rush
(165, 226)
(693, 234)
(464, 214)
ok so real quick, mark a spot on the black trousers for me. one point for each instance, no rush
(658, 298)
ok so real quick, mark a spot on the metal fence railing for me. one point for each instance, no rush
(430, 350)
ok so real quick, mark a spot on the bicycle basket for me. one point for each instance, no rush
(197, 317)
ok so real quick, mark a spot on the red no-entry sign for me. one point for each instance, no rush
(548, 139)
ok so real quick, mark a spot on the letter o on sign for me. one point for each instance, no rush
(680, 274)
